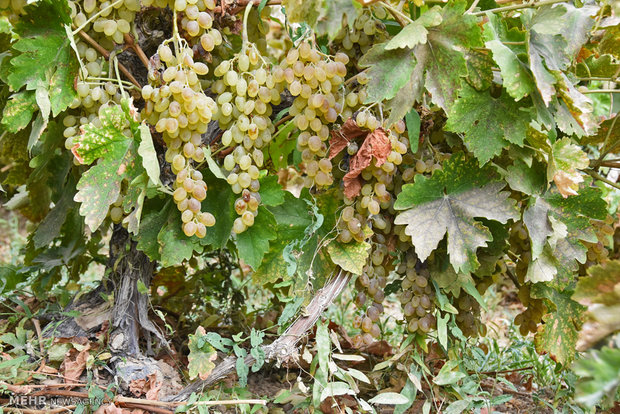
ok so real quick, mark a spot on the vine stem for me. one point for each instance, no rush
(602, 178)
(601, 91)
(518, 7)
(106, 55)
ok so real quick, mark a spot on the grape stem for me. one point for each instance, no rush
(106, 55)
(600, 177)
(130, 41)
(244, 34)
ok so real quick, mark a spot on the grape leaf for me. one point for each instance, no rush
(148, 154)
(99, 187)
(415, 32)
(608, 134)
(546, 215)
(564, 160)
(389, 71)
(602, 66)
(479, 69)
(46, 62)
(441, 58)
(468, 193)
(151, 224)
(600, 292)
(516, 77)
(271, 192)
(443, 53)
(19, 110)
(174, 246)
(488, 124)
(351, 257)
(558, 334)
(300, 11)
(220, 202)
(527, 179)
(600, 286)
(201, 355)
(331, 20)
(253, 243)
(598, 376)
(50, 227)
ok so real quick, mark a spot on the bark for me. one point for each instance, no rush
(282, 348)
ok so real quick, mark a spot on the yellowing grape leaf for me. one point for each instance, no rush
(201, 355)
(350, 256)
(559, 331)
(448, 203)
(99, 187)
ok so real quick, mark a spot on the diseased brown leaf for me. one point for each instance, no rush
(148, 387)
(381, 146)
(109, 409)
(352, 186)
(567, 182)
(341, 137)
(375, 145)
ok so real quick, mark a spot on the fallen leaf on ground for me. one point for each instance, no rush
(74, 364)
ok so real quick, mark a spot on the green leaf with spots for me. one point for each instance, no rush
(19, 110)
(528, 180)
(448, 203)
(201, 355)
(45, 61)
(559, 332)
(557, 226)
(443, 55)
(351, 256)
(389, 71)
(488, 124)
(479, 69)
(99, 187)
(516, 76)
(253, 243)
(594, 66)
(564, 160)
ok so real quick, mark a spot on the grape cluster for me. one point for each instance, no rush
(370, 285)
(246, 92)
(357, 38)
(108, 18)
(529, 319)
(597, 252)
(416, 297)
(468, 318)
(181, 112)
(314, 80)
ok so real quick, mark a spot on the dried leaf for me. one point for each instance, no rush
(375, 145)
(567, 182)
(74, 364)
(341, 137)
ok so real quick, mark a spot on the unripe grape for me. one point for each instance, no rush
(189, 228)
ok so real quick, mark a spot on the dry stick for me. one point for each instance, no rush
(37, 327)
(106, 55)
(130, 41)
(282, 347)
(148, 408)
